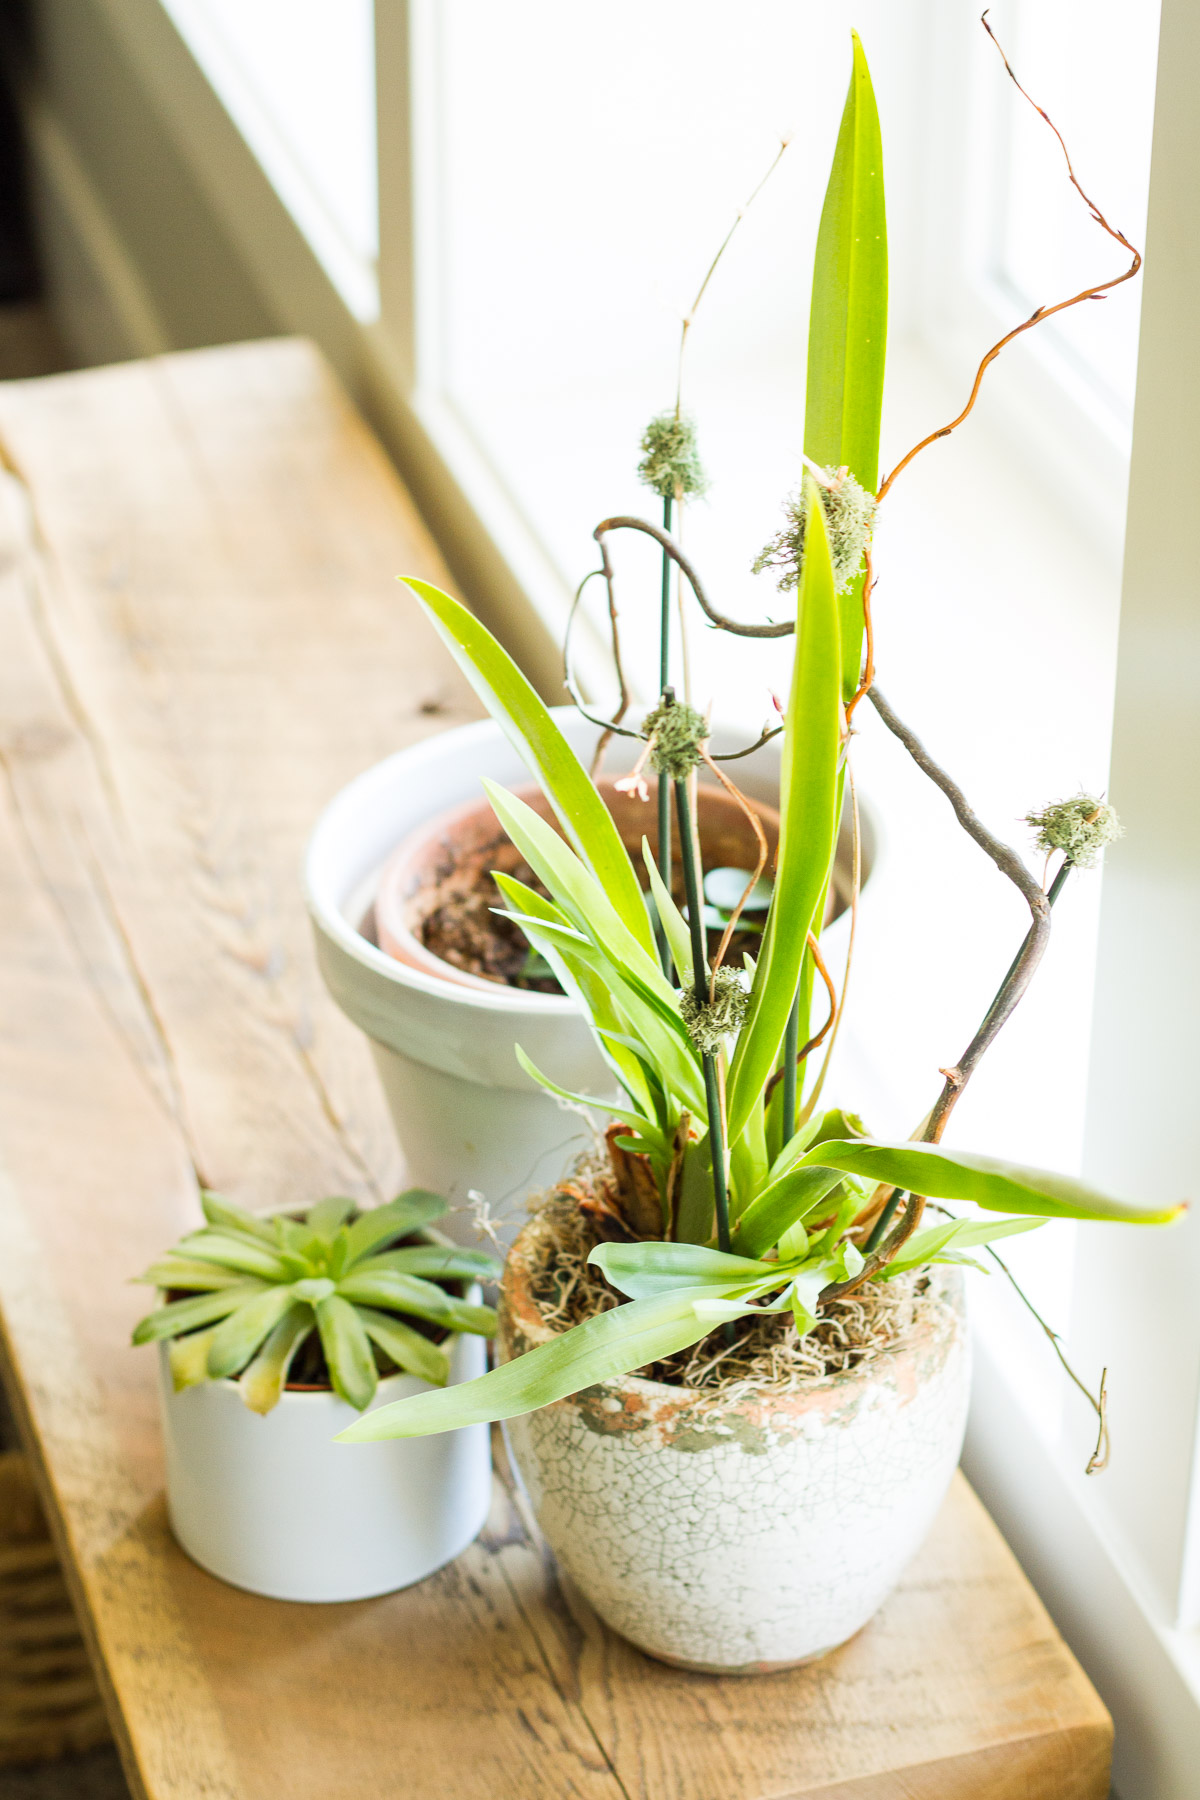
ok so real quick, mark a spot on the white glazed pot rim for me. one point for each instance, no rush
(325, 908)
(325, 904)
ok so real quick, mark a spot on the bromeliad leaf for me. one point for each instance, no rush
(397, 1219)
(244, 1254)
(437, 1261)
(406, 1347)
(237, 1338)
(262, 1381)
(529, 727)
(178, 1316)
(348, 1354)
(226, 1215)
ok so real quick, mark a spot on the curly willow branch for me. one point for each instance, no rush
(1042, 313)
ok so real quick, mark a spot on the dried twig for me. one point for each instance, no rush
(1042, 313)
(608, 726)
(690, 314)
(628, 522)
(1033, 949)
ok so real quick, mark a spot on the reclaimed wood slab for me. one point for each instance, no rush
(201, 639)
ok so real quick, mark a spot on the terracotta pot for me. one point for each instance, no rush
(745, 1535)
(442, 860)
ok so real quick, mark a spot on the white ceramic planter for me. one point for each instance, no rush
(749, 1536)
(272, 1504)
(466, 1116)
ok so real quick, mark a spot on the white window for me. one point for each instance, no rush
(298, 77)
(552, 182)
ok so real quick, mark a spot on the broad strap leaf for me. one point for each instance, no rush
(527, 724)
(987, 1181)
(807, 817)
(847, 332)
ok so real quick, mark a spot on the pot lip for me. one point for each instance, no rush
(665, 1391)
(324, 906)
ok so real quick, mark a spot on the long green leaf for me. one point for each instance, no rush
(580, 895)
(654, 1024)
(528, 726)
(808, 825)
(987, 1181)
(847, 332)
(786, 1202)
(642, 1270)
(636, 1121)
(583, 985)
(612, 1343)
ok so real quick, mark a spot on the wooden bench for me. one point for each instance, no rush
(200, 640)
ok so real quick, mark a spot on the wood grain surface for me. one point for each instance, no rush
(201, 639)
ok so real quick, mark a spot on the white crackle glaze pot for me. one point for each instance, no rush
(270, 1503)
(742, 1537)
(467, 1116)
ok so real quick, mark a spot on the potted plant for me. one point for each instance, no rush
(399, 884)
(734, 1358)
(273, 1333)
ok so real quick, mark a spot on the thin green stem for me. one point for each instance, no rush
(700, 979)
(664, 791)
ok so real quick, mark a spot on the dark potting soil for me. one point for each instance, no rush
(466, 932)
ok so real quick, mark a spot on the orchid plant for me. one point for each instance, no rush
(761, 1201)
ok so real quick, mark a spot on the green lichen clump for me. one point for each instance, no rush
(849, 518)
(676, 732)
(670, 461)
(1080, 828)
(710, 1022)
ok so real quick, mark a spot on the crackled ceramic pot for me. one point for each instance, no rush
(739, 1537)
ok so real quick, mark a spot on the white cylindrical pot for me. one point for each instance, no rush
(271, 1503)
(746, 1535)
(466, 1115)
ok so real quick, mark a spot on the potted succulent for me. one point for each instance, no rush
(274, 1332)
(734, 1358)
